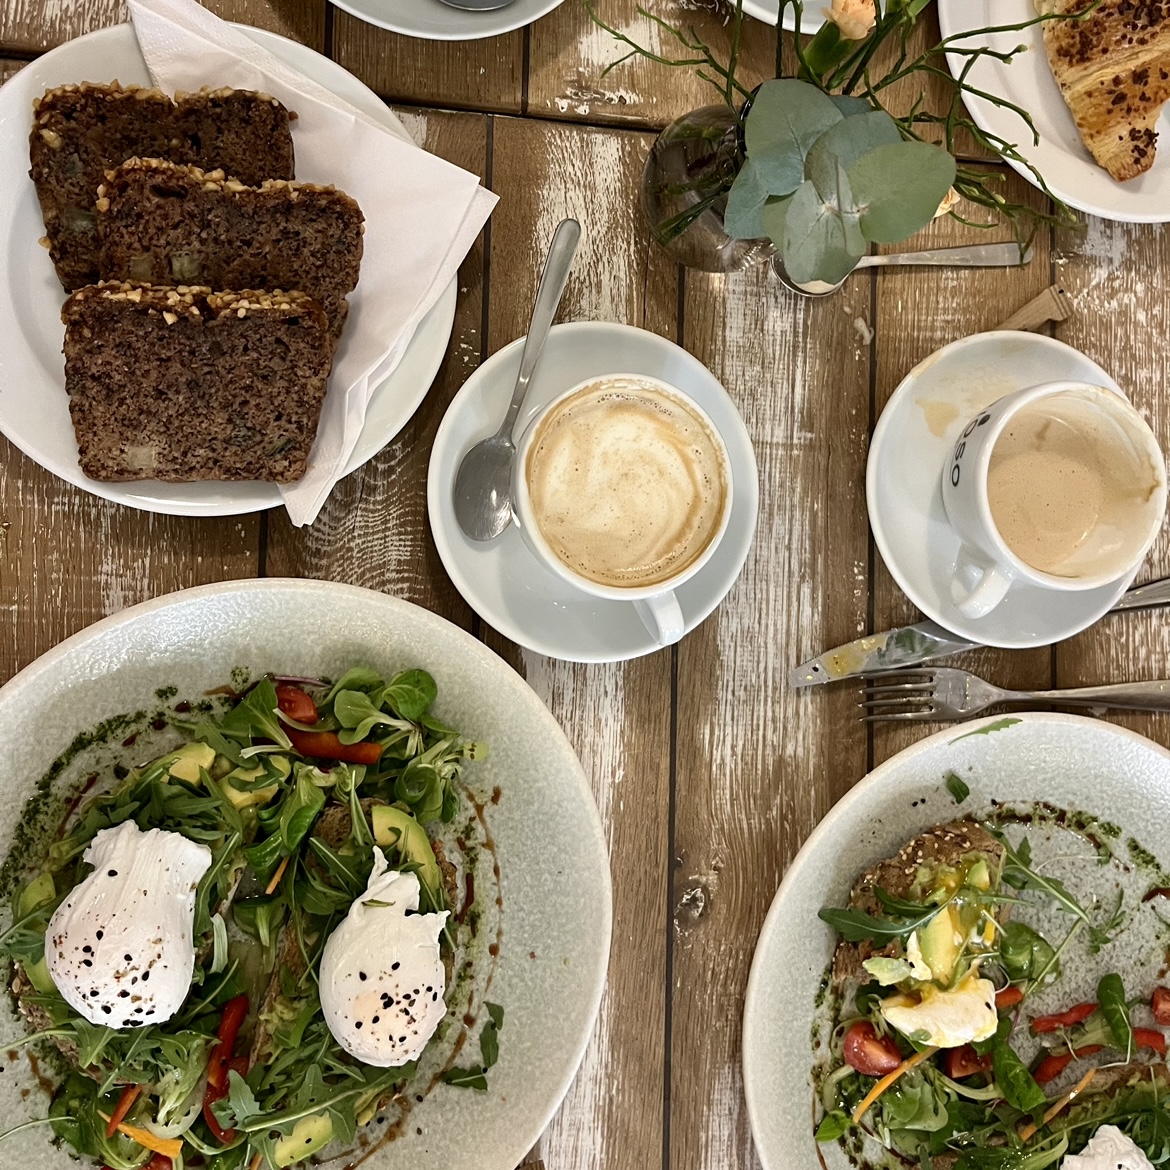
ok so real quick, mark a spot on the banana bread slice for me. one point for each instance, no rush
(167, 224)
(80, 131)
(185, 384)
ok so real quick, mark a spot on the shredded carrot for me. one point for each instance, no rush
(125, 1104)
(1027, 1132)
(271, 887)
(889, 1079)
(256, 1160)
(168, 1147)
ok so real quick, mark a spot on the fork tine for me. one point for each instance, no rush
(926, 716)
(919, 700)
(923, 688)
(908, 672)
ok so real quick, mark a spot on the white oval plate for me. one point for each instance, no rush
(432, 20)
(501, 579)
(554, 868)
(1060, 156)
(1069, 761)
(34, 408)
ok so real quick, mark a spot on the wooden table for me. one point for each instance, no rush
(708, 770)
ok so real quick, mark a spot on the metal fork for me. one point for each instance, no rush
(943, 694)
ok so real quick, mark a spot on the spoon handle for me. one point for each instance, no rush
(970, 256)
(548, 298)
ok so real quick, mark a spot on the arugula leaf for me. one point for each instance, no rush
(1115, 1010)
(1031, 1157)
(298, 811)
(466, 1078)
(238, 1106)
(495, 1013)
(990, 728)
(913, 1104)
(856, 925)
(902, 907)
(254, 717)
(489, 1045)
(1017, 1084)
(833, 1125)
(956, 787)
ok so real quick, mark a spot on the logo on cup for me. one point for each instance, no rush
(961, 446)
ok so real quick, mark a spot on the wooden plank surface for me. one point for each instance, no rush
(31, 26)
(613, 1113)
(1116, 274)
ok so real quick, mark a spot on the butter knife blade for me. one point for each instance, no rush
(907, 646)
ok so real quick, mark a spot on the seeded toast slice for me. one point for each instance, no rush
(947, 844)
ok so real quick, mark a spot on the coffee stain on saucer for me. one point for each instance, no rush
(939, 415)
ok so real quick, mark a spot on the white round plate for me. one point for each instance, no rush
(766, 10)
(1068, 761)
(1026, 81)
(34, 408)
(554, 868)
(500, 579)
(903, 484)
(432, 20)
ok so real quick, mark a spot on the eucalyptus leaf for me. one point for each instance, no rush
(851, 107)
(773, 216)
(852, 139)
(742, 219)
(899, 188)
(815, 239)
(785, 119)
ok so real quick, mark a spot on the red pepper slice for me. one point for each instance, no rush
(1056, 1062)
(1008, 997)
(221, 1061)
(870, 1054)
(1075, 1015)
(1160, 1005)
(966, 1062)
(125, 1104)
(159, 1162)
(295, 703)
(324, 745)
(1150, 1038)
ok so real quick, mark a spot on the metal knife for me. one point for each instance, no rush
(925, 641)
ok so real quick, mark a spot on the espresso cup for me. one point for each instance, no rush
(1061, 485)
(622, 487)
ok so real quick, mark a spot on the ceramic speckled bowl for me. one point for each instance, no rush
(1117, 781)
(554, 870)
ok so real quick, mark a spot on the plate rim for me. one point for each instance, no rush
(979, 108)
(255, 495)
(353, 7)
(878, 440)
(439, 533)
(830, 823)
(316, 589)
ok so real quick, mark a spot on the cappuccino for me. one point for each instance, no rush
(1066, 486)
(626, 482)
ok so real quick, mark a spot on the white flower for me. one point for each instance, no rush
(950, 199)
(855, 18)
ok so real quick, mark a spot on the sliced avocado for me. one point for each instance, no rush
(247, 797)
(939, 950)
(185, 763)
(309, 1135)
(979, 875)
(40, 889)
(38, 975)
(395, 828)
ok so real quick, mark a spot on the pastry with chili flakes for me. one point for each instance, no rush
(1113, 68)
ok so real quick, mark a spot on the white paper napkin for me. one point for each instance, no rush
(422, 213)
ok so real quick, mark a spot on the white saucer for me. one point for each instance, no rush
(501, 580)
(913, 437)
(432, 20)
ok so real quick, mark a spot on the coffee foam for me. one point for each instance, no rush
(627, 484)
(1069, 487)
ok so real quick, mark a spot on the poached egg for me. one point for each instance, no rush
(119, 947)
(1109, 1149)
(382, 978)
(945, 1018)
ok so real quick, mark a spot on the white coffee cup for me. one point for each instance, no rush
(656, 602)
(1056, 446)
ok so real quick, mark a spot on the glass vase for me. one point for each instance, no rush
(684, 192)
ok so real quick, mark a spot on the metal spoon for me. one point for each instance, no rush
(483, 486)
(972, 256)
